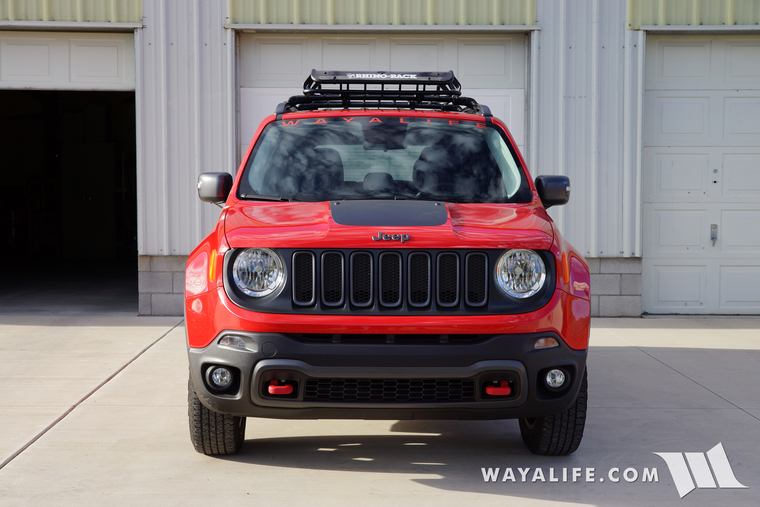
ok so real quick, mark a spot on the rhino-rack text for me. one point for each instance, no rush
(381, 76)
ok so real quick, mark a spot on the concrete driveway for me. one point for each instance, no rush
(93, 412)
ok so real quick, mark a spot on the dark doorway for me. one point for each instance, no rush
(68, 215)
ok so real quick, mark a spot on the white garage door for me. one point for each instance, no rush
(67, 61)
(490, 68)
(702, 175)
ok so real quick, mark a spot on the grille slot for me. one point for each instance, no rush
(419, 279)
(476, 281)
(448, 279)
(332, 279)
(303, 278)
(361, 279)
(425, 390)
(390, 279)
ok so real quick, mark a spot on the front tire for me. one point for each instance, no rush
(557, 434)
(213, 433)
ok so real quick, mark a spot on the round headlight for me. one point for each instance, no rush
(258, 271)
(520, 273)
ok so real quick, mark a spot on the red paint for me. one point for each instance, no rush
(502, 390)
(276, 389)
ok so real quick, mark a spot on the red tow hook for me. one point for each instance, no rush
(502, 389)
(275, 388)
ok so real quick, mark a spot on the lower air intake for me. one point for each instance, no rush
(366, 390)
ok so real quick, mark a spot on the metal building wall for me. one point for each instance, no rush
(692, 12)
(383, 12)
(111, 11)
(185, 119)
(587, 107)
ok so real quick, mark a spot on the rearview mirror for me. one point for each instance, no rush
(553, 190)
(214, 187)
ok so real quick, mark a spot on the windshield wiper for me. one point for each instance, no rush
(258, 197)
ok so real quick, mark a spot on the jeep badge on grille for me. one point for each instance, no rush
(391, 237)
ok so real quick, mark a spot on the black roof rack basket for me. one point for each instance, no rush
(325, 89)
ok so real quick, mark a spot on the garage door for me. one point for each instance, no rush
(491, 69)
(67, 61)
(702, 175)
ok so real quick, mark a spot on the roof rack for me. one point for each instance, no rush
(325, 89)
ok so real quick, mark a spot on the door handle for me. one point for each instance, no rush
(713, 233)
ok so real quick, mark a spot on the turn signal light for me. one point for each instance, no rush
(545, 343)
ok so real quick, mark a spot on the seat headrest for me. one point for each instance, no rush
(378, 182)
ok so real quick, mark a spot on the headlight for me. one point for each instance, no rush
(258, 271)
(520, 273)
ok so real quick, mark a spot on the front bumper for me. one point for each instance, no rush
(287, 356)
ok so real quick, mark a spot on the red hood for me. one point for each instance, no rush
(310, 225)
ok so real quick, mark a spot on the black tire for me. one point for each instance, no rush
(213, 433)
(557, 434)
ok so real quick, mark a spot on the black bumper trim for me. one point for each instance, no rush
(308, 371)
(360, 359)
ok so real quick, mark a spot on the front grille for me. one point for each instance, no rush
(389, 390)
(390, 281)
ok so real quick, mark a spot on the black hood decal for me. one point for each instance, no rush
(389, 213)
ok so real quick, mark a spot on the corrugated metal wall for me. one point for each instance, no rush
(587, 104)
(185, 120)
(111, 11)
(383, 12)
(693, 12)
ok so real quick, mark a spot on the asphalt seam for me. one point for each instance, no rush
(88, 395)
(682, 374)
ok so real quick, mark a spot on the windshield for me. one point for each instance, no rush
(384, 157)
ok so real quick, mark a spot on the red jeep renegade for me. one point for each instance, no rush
(383, 253)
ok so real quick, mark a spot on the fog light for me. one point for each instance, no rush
(232, 341)
(555, 378)
(221, 377)
(545, 343)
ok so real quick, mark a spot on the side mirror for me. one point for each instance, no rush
(214, 187)
(553, 190)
